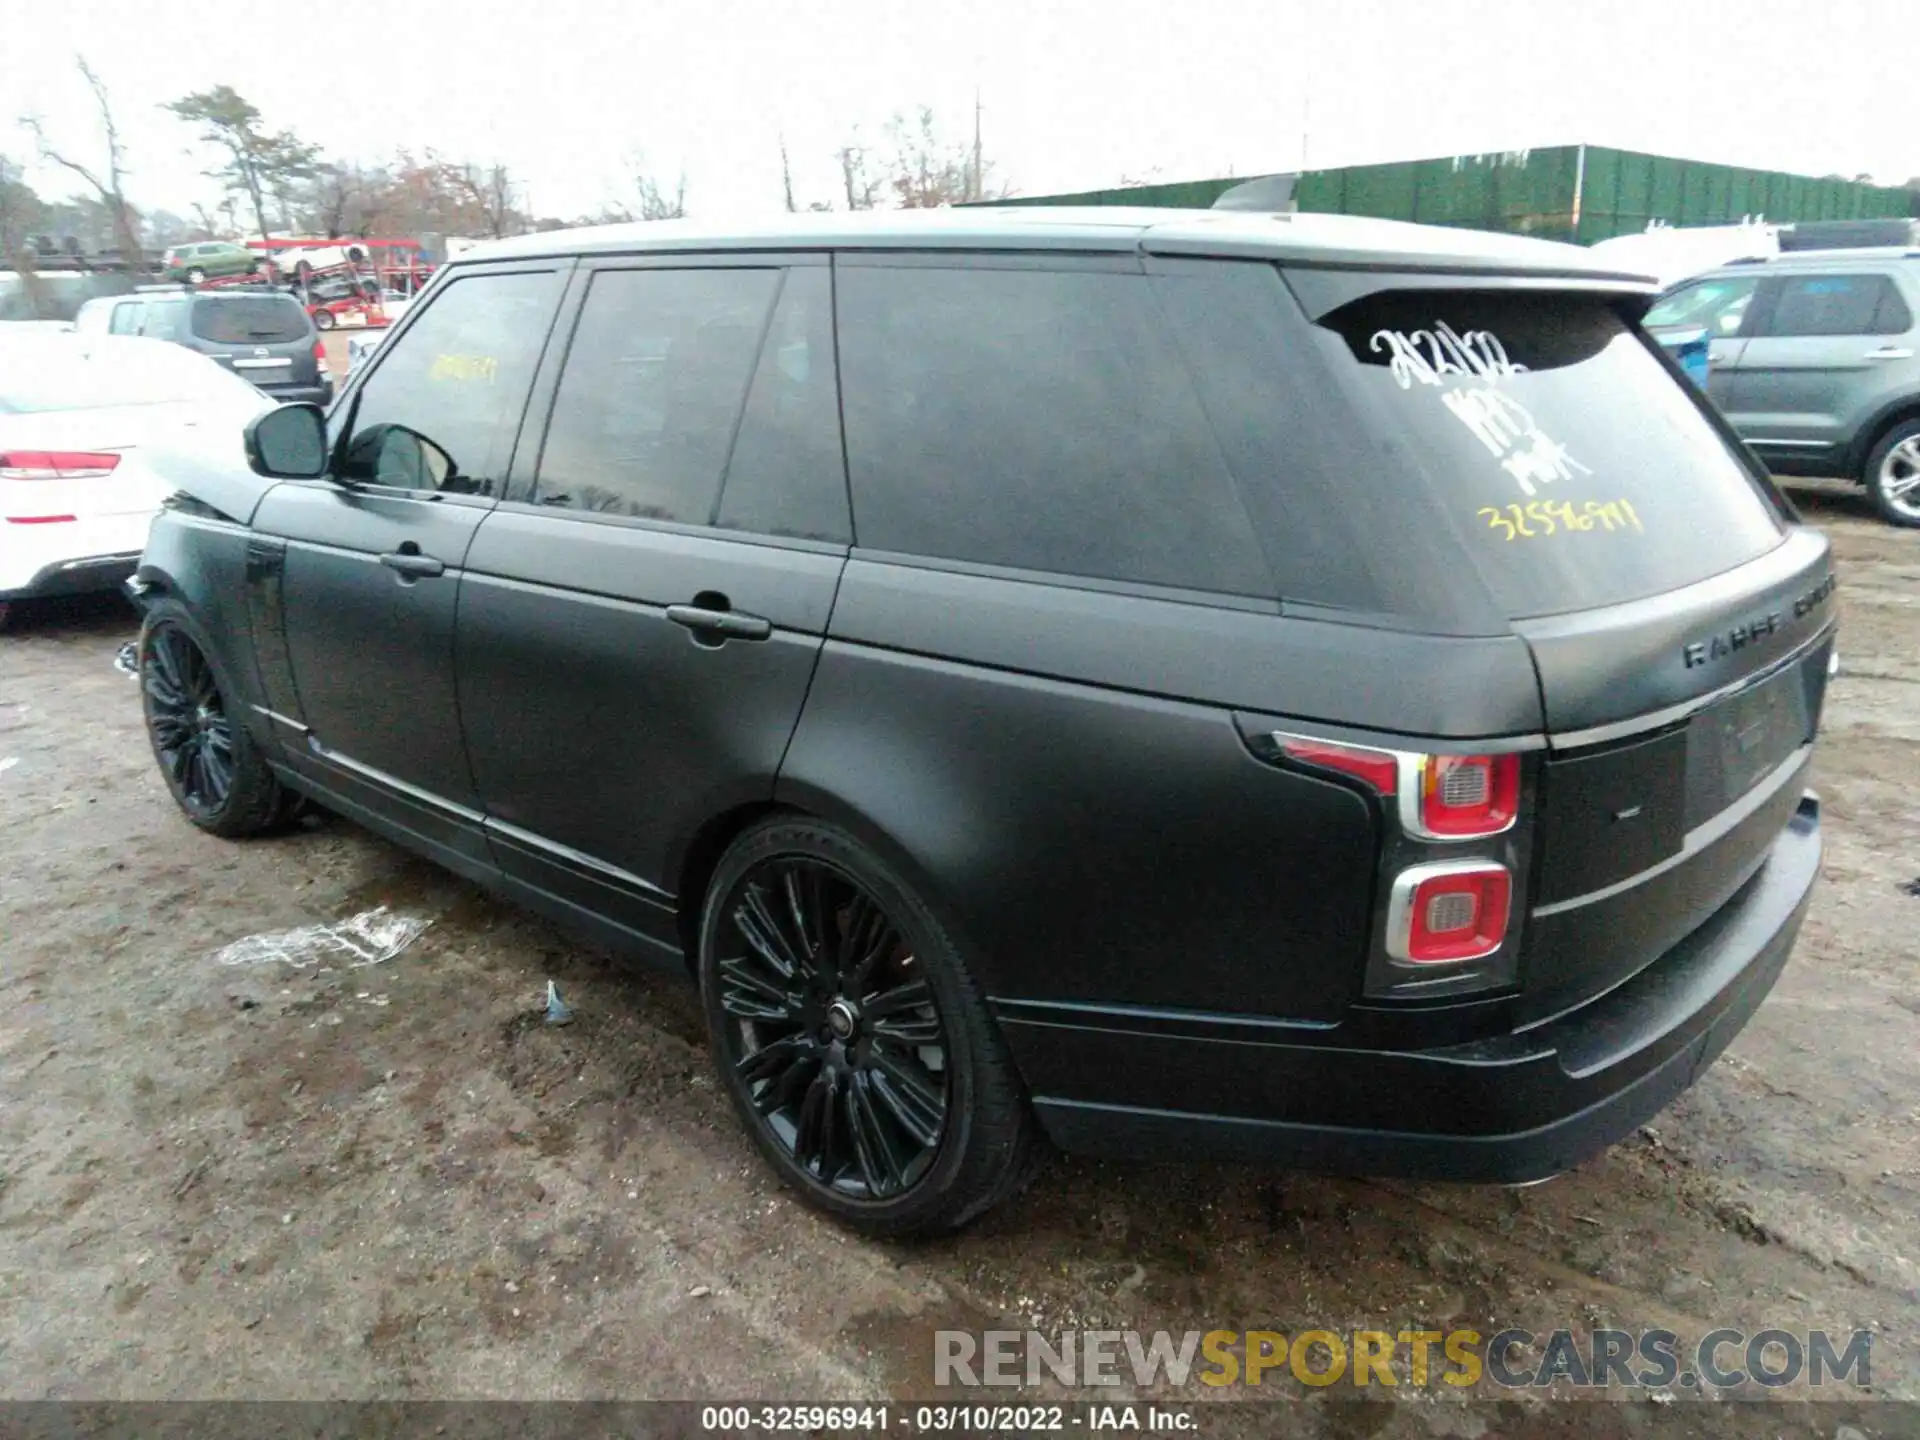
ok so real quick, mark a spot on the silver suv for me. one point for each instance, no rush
(1815, 358)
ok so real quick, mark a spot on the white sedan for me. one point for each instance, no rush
(84, 420)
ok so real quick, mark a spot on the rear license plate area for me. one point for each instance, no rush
(262, 364)
(1738, 741)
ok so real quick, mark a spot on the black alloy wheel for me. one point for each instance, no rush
(215, 771)
(851, 1037)
(836, 1033)
(187, 717)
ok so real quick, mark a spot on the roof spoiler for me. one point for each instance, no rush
(1271, 193)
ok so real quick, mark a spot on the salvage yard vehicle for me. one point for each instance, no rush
(1300, 689)
(80, 419)
(208, 260)
(1815, 359)
(261, 334)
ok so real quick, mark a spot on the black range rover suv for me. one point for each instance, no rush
(1309, 690)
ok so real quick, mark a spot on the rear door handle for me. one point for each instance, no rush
(1890, 352)
(414, 567)
(724, 624)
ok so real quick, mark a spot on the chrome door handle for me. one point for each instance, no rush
(721, 624)
(1890, 352)
(414, 567)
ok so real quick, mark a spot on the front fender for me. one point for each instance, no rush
(204, 562)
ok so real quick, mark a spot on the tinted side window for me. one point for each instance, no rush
(125, 319)
(653, 388)
(788, 475)
(1035, 419)
(458, 377)
(1830, 305)
(160, 319)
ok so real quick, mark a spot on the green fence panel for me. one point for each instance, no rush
(1564, 192)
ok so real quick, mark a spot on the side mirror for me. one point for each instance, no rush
(288, 443)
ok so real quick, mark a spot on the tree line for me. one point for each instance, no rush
(271, 181)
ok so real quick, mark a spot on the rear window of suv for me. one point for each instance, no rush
(1578, 469)
(250, 320)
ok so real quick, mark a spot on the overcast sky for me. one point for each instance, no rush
(1076, 93)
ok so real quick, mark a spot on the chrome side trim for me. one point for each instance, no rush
(399, 787)
(1699, 838)
(291, 724)
(1654, 719)
(573, 857)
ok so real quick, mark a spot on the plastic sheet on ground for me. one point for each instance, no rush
(127, 660)
(370, 938)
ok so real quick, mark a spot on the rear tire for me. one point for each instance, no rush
(196, 276)
(1892, 475)
(852, 1041)
(214, 771)
(323, 320)
(6, 613)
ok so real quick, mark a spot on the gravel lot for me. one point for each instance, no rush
(395, 1181)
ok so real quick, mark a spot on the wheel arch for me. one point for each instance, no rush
(1871, 434)
(701, 856)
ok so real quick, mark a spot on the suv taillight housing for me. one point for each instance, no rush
(1453, 868)
(1459, 797)
(1449, 913)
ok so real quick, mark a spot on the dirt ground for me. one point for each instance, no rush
(395, 1181)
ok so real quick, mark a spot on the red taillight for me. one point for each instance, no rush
(1461, 797)
(320, 353)
(56, 464)
(1445, 914)
(41, 519)
(1379, 768)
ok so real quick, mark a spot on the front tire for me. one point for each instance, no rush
(214, 771)
(851, 1039)
(323, 320)
(1893, 475)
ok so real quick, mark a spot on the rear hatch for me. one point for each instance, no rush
(1679, 617)
(265, 338)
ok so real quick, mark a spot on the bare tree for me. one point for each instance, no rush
(205, 223)
(857, 181)
(930, 170)
(650, 202)
(488, 193)
(786, 176)
(109, 180)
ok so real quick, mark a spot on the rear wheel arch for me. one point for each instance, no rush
(1872, 434)
(802, 801)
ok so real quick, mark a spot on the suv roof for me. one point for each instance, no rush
(1815, 259)
(1343, 240)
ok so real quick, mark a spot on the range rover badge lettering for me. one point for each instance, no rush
(1723, 643)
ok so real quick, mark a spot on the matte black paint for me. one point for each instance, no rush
(1178, 935)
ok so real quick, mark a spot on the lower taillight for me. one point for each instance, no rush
(42, 519)
(56, 464)
(1448, 913)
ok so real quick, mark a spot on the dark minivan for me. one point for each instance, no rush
(1292, 688)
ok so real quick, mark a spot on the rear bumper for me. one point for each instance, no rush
(1510, 1109)
(74, 577)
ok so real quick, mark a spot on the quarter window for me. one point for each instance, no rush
(456, 380)
(1035, 419)
(1838, 305)
(654, 384)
